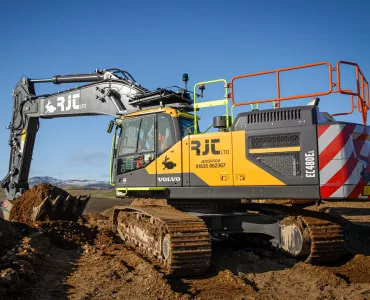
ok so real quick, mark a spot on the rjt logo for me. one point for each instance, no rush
(196, 145)
(71, 102)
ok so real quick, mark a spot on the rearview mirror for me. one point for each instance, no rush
(110, 126)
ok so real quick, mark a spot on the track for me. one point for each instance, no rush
(327, 240)
(179, 243)
(324, 234)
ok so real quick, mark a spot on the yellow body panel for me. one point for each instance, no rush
(167, 110)
(217, 159)
(211, 158)
(173, 155)
(152, 167)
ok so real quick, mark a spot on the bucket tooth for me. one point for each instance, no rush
(66, 205)
(80, 206)
(57, 205)
(41, 210)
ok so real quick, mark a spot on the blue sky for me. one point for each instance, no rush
(157, 41)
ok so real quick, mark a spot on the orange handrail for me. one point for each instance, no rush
(362, 90)
(352, 106)
(277, 72)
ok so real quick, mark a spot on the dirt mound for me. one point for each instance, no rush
(356, 270)
(224, 285)
(67, 234)
(8, 237)
(94, 219)
(85, 260)
(19, 266)
(106, 238)
(109, 270)
(24, 204)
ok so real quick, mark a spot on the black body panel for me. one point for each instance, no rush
(262, 192)
(276, 118)
(308, 146)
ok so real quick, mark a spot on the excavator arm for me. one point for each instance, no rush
(106, 94)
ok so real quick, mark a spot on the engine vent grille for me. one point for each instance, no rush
(274, 141)
(274, 116)
(285, 164)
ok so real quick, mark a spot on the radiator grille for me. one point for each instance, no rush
(274, 141)
(285, 164)
(274, 116)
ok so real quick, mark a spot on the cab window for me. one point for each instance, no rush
(186, 126)
(165, 133)
(129, 135)
(146, 135)
(136, 149)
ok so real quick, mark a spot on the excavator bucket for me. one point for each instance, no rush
(60, 208)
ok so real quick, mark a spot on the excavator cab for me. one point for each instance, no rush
(146, 143)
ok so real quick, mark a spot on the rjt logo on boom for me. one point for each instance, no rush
(64, 105)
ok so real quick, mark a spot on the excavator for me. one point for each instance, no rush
(193, 187)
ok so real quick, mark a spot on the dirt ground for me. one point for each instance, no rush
(85, 260)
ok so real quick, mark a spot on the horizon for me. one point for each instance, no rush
(73, 179)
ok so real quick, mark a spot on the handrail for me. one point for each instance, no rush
(353, 106)
(211, 103)
(362, 89)
(114, 140)
(278, 97)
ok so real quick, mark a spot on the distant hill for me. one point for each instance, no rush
(74, 183)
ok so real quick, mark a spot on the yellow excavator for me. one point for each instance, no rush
(194, 187)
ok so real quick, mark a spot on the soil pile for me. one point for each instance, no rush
(8, 237)
(356, 270)
(67, 234)
(24, 204)
(19, 258)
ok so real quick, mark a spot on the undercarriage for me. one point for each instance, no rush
(176, 235)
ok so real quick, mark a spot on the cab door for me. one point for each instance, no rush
(169, 152)
(136, 152)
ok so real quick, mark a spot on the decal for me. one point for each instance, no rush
(50, 108)
(168, 164)
(169, 179)
(310, 164)
(71, 103)
(210, 163)
(209, 146)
